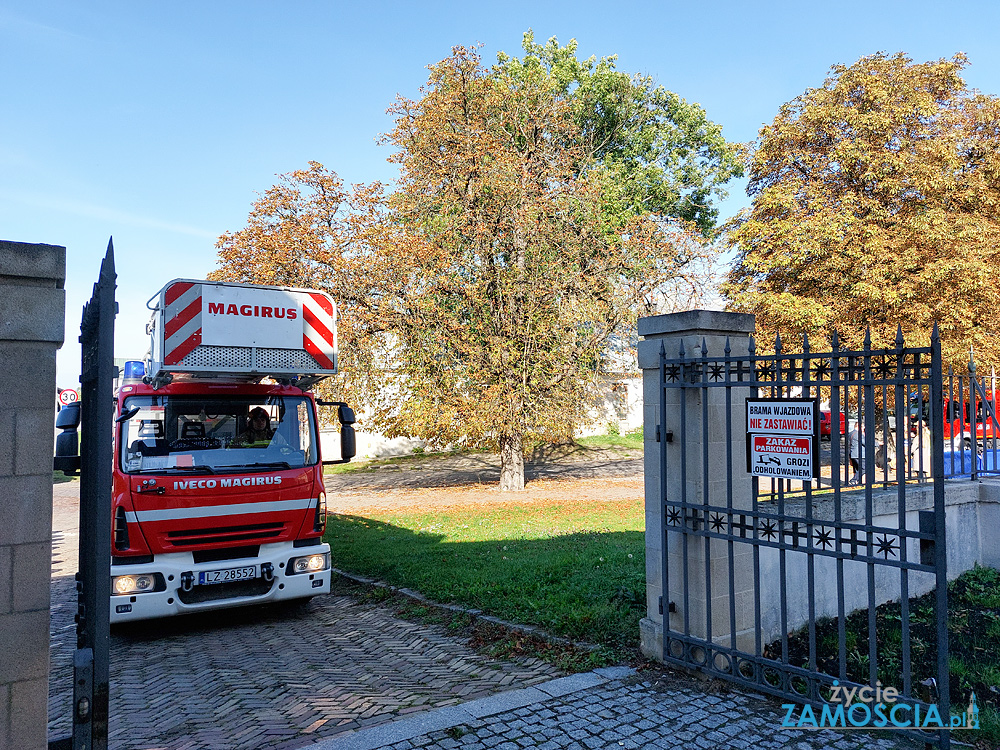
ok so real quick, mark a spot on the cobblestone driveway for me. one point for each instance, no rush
(612, 709)
(265, 677)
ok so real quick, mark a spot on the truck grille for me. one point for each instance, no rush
(226, 553)
(221, 534)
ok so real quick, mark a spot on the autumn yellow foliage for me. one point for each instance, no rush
(876, 204)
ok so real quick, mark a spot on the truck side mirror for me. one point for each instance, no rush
(348, 444)
(128, 415)
(67, 458)
(348, 441)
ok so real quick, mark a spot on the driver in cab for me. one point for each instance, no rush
(259, 433)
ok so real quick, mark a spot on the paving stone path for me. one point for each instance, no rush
(265, 677)
(608, 709)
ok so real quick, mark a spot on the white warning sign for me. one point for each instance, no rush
(785, 417)
(783, 438)
(782, 456)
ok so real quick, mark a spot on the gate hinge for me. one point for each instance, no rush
(667, 435)
(83, 696)
(671, 606)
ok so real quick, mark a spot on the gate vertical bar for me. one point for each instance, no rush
(684, 499)
(901, 398)
(975, 419)
(868, 476)
(755, 509)
(661, 436)
(810, 559)
(777, 392)
(90, 662)
(961, 422)
(706, 499)
(836, 407)
(950, 411)
(940, 548)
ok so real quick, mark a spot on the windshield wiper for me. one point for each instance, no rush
(182, 469)
(231, 469)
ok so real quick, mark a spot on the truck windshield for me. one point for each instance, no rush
(194, 434)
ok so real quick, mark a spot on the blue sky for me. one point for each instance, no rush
(157, 123)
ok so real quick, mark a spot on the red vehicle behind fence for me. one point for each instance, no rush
(826, 426)
(966, 418)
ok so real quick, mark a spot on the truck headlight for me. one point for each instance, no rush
(138, 584)
(309, 564)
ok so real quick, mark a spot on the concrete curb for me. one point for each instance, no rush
(439, 719)
(476, 614)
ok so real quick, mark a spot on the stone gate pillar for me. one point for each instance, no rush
(693, 328)
(32, 314)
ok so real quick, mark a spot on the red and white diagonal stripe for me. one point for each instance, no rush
(318, 331)
(182, 321)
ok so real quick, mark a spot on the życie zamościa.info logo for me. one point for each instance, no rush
(867, 707)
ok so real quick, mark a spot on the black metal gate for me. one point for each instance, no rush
(90, 660)
(789, 560)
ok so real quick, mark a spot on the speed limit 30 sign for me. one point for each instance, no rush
(68, 396)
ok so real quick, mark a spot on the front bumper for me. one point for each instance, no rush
(174, 567)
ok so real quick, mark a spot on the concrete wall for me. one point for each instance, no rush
(971, 540)
(369, 445)
(32, 311)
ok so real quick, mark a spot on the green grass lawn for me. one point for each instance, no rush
(628, 440)
(576, 570)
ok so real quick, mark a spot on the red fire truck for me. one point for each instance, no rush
(218, 497)
(965, 420)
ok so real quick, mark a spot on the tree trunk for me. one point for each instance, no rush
(511, 463)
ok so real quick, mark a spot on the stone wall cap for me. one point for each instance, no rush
(33, 261)
(700, 321)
